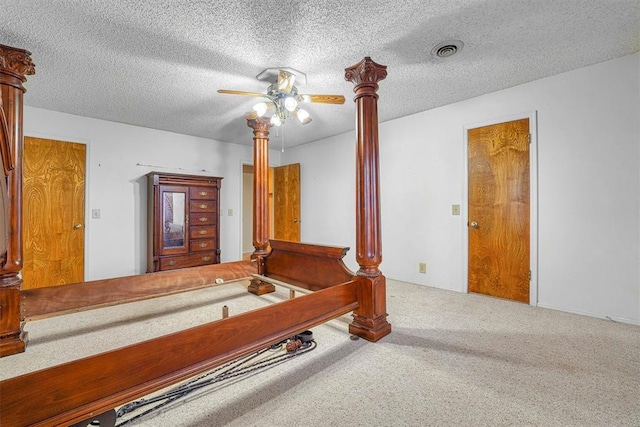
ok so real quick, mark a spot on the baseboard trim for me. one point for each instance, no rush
(596, 315)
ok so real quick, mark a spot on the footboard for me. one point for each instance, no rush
(308, 266)
(78, 391)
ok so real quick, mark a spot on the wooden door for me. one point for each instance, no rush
(286, 201)
(499, 210)
(53, 213)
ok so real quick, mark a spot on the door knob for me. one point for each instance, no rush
(474, 224)
(77, 226)
(296, 219)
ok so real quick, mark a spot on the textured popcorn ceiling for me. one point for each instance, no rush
(158, 63)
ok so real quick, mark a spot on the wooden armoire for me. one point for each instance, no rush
(183, 221)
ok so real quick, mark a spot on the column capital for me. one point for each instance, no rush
(365, 73)
(15, 64)
(259, 124)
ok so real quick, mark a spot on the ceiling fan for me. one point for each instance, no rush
(282, 96)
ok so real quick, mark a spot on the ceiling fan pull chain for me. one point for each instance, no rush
(282, 141)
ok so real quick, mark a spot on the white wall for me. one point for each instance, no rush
(118, 157)
(588, 188)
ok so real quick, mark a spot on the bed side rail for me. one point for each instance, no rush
(76, 391)
(56, 300)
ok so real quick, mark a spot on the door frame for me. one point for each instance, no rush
(533, 198)
(87, 184)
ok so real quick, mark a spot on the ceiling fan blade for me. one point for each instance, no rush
(240, 92)
(285, 81)
(322, 99)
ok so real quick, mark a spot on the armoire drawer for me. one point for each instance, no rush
(202, 232)
(192, 260)
(198, 245)
(202, 206)
(201, 193)
(202, 218)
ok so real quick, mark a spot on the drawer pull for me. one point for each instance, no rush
(204, 193)
(203, 206)
(202, 232)
(203, 219)
(203, 245)
(172, 263)
(206, 258)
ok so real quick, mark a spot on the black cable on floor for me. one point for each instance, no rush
(239, 368)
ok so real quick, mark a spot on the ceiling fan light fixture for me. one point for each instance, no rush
(303, 116)
(275, 120)
(285, 81)
(282, 97)
(290, 103)
(260, 108)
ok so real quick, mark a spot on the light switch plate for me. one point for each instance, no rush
(455, 209)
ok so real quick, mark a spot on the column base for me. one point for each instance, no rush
(370, 319)
(13, 344)
(370, 329)
(13, 339)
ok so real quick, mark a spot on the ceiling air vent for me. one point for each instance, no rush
(446, 48)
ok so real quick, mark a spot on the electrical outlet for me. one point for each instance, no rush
(422, 268)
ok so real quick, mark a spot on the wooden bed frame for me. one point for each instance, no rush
(83, 390)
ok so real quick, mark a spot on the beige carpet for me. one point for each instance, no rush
(452, 360)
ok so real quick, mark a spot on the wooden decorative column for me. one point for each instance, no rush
(15, 65)
(370, 319)
(260, 126)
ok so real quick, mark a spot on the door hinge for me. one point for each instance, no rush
(529, 275)
(529, 138)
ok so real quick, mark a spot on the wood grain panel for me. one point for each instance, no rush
(286, 211)
(499, 204)
(53, 213)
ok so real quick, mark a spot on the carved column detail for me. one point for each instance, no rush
(370, 318)
(260, 126)
(15, 65)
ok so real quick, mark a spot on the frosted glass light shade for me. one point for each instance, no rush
(290, 103)
(303, 116)
(260, 108)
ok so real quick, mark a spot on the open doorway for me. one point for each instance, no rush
(284, 205)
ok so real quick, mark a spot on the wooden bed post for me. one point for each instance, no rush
(260, 126)
(370, 319)
(15, 65)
